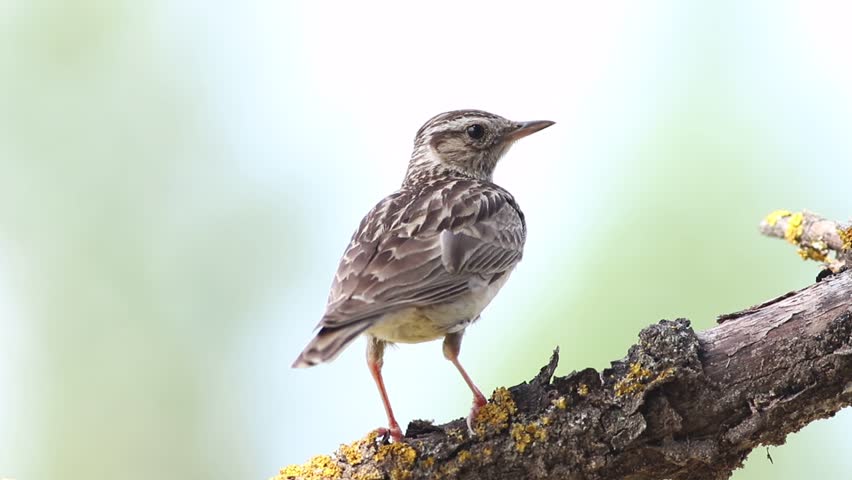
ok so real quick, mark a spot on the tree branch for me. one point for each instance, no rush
(816, 237)
(680, 405)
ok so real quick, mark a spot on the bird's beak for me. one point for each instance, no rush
(522, 129)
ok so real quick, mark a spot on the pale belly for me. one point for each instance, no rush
(422, 324)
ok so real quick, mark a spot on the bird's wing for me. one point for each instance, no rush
(426, 248)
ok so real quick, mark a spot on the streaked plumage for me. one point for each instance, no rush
(421, 247)
(428, 258)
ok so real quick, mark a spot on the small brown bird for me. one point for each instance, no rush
(428, 258)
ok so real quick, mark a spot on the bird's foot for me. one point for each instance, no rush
(479, 401)
(393, 432)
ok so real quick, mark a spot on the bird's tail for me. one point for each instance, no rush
(328, 343)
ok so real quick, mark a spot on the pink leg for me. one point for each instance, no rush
(452, 346)
(375, 352)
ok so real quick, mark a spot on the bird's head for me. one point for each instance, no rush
(468, 142)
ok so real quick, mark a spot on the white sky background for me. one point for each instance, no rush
(12, 359)
(324, 99)
(357, 80)
(363, 85)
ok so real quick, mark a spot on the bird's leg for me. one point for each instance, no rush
(452, 346)
(375, 352)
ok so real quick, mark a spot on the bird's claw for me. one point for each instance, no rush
(393, 432)
(478, 403)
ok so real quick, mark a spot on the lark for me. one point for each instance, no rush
(429, 257)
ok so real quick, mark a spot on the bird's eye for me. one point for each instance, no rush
(476, 131)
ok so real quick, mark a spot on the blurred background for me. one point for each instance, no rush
(179, 179)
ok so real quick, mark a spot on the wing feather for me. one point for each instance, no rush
(425, 247)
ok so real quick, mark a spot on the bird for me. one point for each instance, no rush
(428, 258)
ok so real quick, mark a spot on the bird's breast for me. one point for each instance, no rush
(425, 323)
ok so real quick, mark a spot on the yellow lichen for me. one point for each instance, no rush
(524, 434)
(773, 217)
(368, 473)
(810, 252)
(521, 437)
(428, 462)
(457, 434)
(639, 378)
(448, 470)
(399, 456)
(487, 451)
(400, 474)
(320, 467)
(396, 452)
(451, 468)
(583, 390)
(665, 374)
(495, 415)
(372, 437)
(561, 403)
(633, 381)
(846, 237)
(353, 452)
(794, 228)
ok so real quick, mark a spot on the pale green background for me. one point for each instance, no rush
(178, 179)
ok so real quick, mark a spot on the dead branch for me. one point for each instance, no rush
(680, 405)
(816, 237)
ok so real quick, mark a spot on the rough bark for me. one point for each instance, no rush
(818, 238)
(680, 405)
